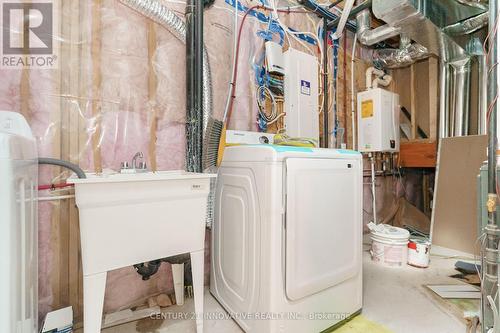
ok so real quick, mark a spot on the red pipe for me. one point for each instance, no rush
(53, 186)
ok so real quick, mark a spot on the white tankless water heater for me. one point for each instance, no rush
(287, 237)
(18, 226)
(378, 121)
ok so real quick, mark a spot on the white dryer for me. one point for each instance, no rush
(287, 237)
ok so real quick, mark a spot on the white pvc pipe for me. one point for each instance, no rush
(343, 19)
(370, 71)
(353, 93)
(383, 81)
(374, 194)
(56, 197)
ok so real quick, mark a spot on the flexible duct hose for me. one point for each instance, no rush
(159, 13)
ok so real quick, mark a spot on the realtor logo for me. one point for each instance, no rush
(28, 34)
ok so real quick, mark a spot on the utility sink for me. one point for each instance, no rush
(126, 219)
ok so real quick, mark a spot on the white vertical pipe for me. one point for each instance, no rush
(353, 93)
(444, 113)
(374, 193)
(482, 127)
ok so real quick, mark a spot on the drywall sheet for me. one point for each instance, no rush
(455, 206)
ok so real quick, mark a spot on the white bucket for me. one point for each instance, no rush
(389, 245)
(418, 252)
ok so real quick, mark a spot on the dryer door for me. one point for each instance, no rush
(323, 226)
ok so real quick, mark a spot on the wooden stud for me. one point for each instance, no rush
(96, 82)
(413, 103)
(152, 87)
(433, 97)
(58, 269)
(85, 80)
(74, 127)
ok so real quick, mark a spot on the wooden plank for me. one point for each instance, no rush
(399, 85)
(413, 102)
(66, 65)
(96, 82)
(433, 97)
(58, 270)
(455, 199)
(86, 76)
(128, 315)
(418, 154)
(360, 67)
(422, 97)
(75, 293)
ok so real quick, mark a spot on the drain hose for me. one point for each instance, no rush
(68, 165)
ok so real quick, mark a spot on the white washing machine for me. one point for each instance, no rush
(287, 237)
(18, 226)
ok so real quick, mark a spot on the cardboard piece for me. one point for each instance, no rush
(462, 291)
(454, 216)
(59, 321)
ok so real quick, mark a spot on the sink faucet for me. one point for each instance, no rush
(134, 166)
(135, 158)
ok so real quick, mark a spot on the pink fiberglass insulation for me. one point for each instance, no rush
(44, 123)
(10, 89)
(125, 108)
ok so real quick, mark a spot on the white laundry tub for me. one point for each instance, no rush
(127, 219)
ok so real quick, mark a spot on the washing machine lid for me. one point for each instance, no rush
(16, 140)
(275, 153)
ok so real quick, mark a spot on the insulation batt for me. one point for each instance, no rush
(56, 95)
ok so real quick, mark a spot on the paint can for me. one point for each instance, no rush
(419, 249)
(389, 245)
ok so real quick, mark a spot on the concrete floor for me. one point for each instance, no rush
(393, 297)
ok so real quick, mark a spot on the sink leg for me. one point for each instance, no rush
(197, 261)
(93, 299)
(178, 275)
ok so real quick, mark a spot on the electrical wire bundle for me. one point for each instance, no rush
(276, 85)
(266, 118)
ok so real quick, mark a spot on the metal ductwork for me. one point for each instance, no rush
(476, 51)
(431, 24)
(409, 16)
(427, 22)
(407, 54)
(468, 26)
(454, 113)
(482, 4)
(460, 97)
(369, 36)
